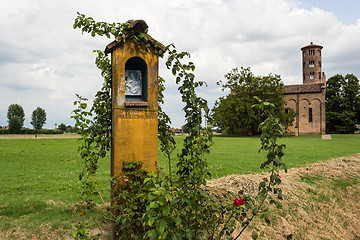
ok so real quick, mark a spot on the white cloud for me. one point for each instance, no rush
(44, 62)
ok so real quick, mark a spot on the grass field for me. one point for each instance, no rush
(239, 155)
(236, 155)
(35, 173)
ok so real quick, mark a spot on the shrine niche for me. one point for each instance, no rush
(136, 82)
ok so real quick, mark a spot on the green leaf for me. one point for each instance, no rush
(166, 210)
(153, 235)
(178, 220)
(151, 221)
(267, 220)
(154, 204)
(254, 235)
(275, 203)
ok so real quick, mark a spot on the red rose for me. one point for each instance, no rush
(239, 201)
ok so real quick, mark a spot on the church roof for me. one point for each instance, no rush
(304, 88)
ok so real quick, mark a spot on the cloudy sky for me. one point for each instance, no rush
(44, 62)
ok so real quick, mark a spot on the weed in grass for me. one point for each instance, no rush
(283, 213)
(343, 184)
(274, 217)
(18, 209)
(326, 216)
(302, 233)
(310, 206)
(323, 196)
(311, 179)
(291, 211)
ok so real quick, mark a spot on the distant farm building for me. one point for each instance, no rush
(176, 130)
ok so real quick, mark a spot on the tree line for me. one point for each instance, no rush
(234, 113)
(342, 104)
(67, 128)
(16, 118)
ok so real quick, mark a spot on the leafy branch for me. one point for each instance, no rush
(191, 166)
(271, 130)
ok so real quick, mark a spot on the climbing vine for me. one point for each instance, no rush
(174, 205)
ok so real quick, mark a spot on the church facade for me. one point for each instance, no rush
(308, 99)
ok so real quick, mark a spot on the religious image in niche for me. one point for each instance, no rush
(133, 84)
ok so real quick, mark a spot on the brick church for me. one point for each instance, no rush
(308, 99)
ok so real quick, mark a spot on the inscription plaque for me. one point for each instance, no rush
(137, 115)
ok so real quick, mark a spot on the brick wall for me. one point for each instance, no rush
(309, 103)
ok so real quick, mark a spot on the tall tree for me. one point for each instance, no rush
(16, 118)
(62, 127)
(38, 119)
(234, 112)
(342, 104)
(352, 96)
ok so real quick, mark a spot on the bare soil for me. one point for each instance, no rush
(314, 206)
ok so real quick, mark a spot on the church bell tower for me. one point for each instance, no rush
(311, 59)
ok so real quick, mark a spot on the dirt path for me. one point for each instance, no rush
(42, 136)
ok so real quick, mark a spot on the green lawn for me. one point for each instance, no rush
(35, 168)
(239, 155)
(34, 171)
